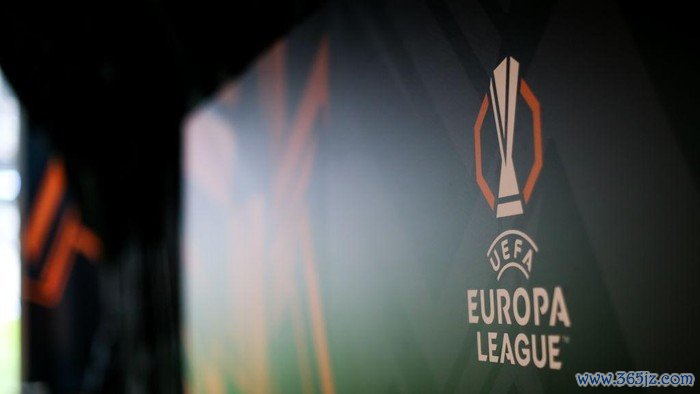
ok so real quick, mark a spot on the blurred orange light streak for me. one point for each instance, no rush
(48, 198)
(71, 237)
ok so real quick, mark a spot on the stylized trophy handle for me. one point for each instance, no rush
(504, 94)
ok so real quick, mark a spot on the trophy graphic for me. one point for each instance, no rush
(504, 94)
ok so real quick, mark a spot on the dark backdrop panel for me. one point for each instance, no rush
(334, 224)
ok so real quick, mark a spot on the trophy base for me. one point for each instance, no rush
(509, 208)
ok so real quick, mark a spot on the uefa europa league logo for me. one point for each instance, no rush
(504, 88)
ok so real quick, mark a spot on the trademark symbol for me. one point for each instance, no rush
(565, 339)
